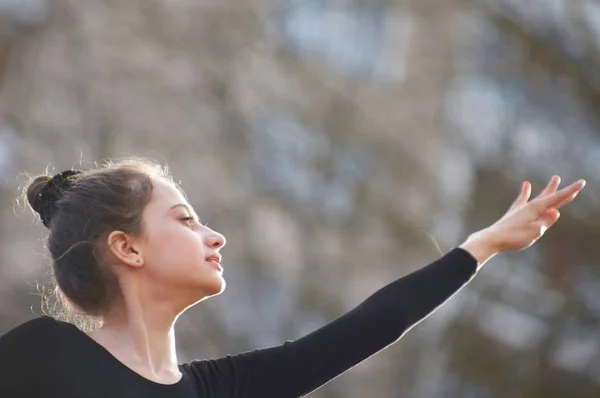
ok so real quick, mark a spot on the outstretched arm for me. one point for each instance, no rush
(296, 368)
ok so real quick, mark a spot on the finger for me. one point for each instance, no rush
(523, 195)
(552, 186)
(557, 197)
(569, 199)
(548, 219)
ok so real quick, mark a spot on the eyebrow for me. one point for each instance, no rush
(189, 209)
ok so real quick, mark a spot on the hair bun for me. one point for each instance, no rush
(33, 192)
(44, 191)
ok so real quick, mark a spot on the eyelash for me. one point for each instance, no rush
(187, 219)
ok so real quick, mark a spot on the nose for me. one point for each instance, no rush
(214, 240)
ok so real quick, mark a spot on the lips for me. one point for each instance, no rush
(216, 258)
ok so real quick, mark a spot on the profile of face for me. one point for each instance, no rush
(180, 260)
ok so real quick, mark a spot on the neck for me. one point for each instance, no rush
(143, 339)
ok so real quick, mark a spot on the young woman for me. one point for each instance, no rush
(128, 248)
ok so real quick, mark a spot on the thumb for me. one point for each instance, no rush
(548, 218)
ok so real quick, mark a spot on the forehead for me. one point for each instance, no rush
(165, 195)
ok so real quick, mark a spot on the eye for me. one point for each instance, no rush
(188, 219)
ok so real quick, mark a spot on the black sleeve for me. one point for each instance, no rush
(298, 367)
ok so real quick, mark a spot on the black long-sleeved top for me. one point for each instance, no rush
(47, 358)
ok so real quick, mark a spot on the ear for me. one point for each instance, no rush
(122, 247)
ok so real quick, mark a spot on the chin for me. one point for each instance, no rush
(221, 287)
(214, 288)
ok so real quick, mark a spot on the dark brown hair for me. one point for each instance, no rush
(81, 216)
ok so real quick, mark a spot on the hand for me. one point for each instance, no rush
(524, 222)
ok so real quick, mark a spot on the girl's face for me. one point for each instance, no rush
(181, 259)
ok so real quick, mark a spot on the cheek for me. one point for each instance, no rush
(177, 249)
(176, 263)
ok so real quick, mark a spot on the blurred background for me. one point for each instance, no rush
(338, 145)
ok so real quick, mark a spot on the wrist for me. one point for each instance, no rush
(481, 246)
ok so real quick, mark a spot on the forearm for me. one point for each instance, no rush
(413, 297)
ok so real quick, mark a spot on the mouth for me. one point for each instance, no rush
(215, 260)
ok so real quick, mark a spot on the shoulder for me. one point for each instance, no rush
(24, 345)
(250, 371)
(33, 331)
(28, 356)
(41, 323)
